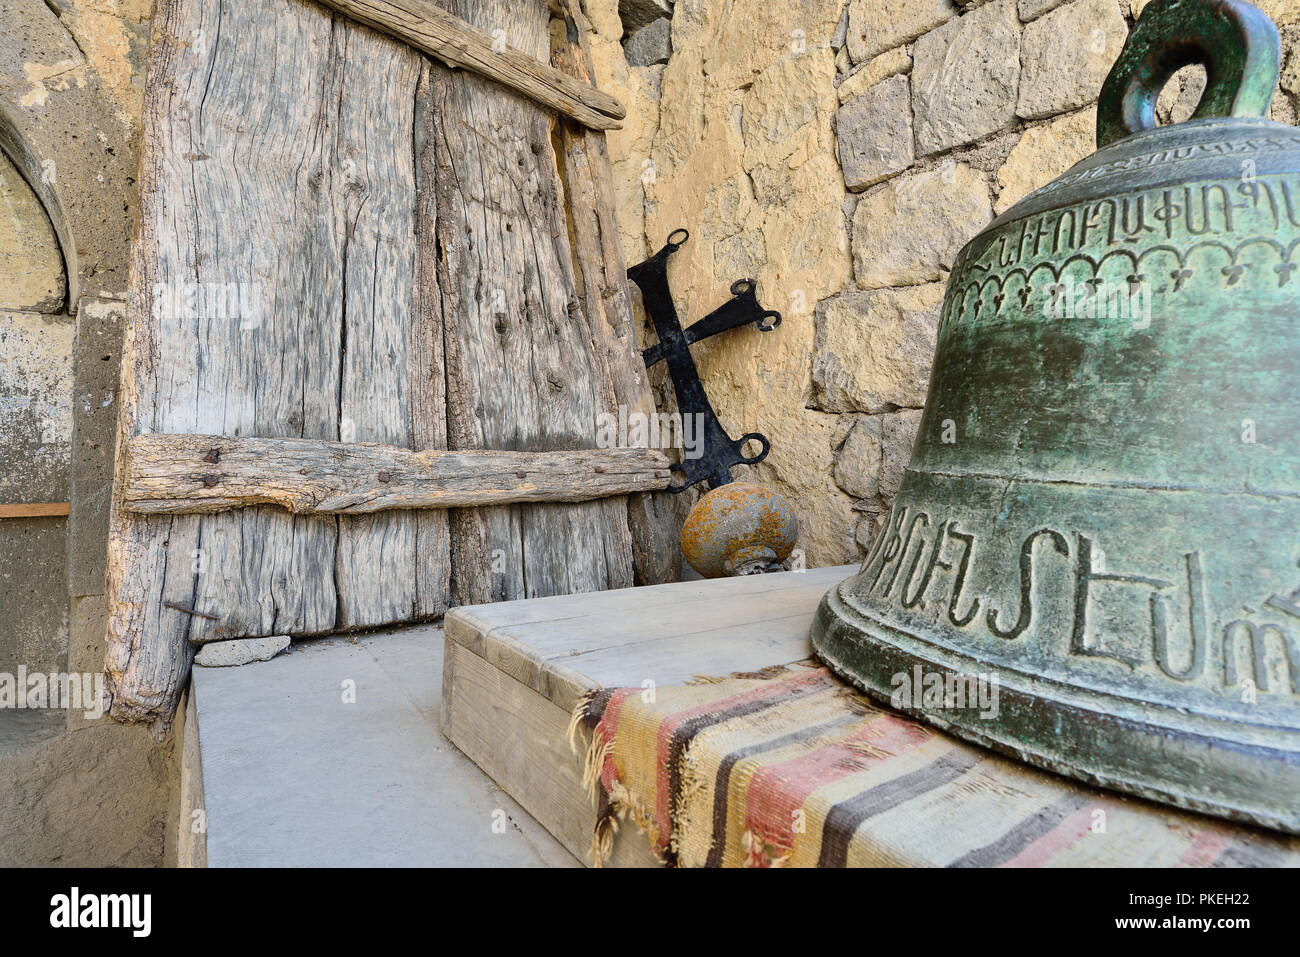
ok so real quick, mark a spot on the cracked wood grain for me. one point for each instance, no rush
(395, 233)
(215, 473)
(522, 370)
(606, 293)
(489, 53)
(305, 205)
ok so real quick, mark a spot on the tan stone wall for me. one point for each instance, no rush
(31, 270)
(842, 152)
(734, 140)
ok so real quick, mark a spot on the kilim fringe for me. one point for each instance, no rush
(612, 804)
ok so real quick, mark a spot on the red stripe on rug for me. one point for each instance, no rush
(1206, 847)
(604, 732)
(770, 689)
(776, 791)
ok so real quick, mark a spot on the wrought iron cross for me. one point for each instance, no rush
(720, 451)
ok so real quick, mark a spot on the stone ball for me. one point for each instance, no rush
(739, 529)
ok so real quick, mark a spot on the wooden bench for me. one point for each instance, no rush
(513, 672)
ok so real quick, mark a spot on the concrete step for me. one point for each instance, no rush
(330, 756)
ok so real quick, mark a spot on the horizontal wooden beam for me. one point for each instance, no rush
(213, 473)
(35, 510)
(456, 43)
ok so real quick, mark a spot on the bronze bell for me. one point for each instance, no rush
(1101, 516)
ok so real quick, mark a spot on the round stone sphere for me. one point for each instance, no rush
(739, 529)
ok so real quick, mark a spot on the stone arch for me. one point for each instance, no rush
(32, 273)
(73, 144)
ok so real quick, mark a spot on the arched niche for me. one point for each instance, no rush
(72, 145)
(32, 276)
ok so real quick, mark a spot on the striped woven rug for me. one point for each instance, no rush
(792, 767)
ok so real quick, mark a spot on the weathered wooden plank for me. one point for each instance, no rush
(272, 294)
(428, 380)
(392, 234)
(377, 234)
(459, 44)
(214, 473)
(521, 369)
(649, 604)
(35, 510)
(520, 739)
(606, 295)
(629, 640)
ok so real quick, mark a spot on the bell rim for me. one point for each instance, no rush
(1257, 787)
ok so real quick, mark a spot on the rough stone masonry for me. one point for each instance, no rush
(842, 152)
(839, 151)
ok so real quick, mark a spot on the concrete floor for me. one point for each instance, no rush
(98, 794)
(24, 729)
(330, 755)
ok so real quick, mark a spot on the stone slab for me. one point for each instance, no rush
(874, 133)
(295, 776)
(35, 406)
(650, 45)
(1066, 55)
(97, 364)
(873, 349)
(877, 25)
(240, 651)
(31, 269)
(965, 78)
(33, 598)
(910, 230)
(640, 13)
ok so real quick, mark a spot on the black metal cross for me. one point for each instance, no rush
(719, 450)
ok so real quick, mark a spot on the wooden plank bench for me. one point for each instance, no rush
(513, 672)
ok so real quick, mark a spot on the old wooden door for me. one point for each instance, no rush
(344, 240)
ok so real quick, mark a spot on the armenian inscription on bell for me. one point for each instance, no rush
(1155, 620)
(1217, 233)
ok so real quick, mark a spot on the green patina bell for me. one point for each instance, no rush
(1101, 516)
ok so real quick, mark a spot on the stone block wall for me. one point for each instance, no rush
(71, 96)
(842, 152)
